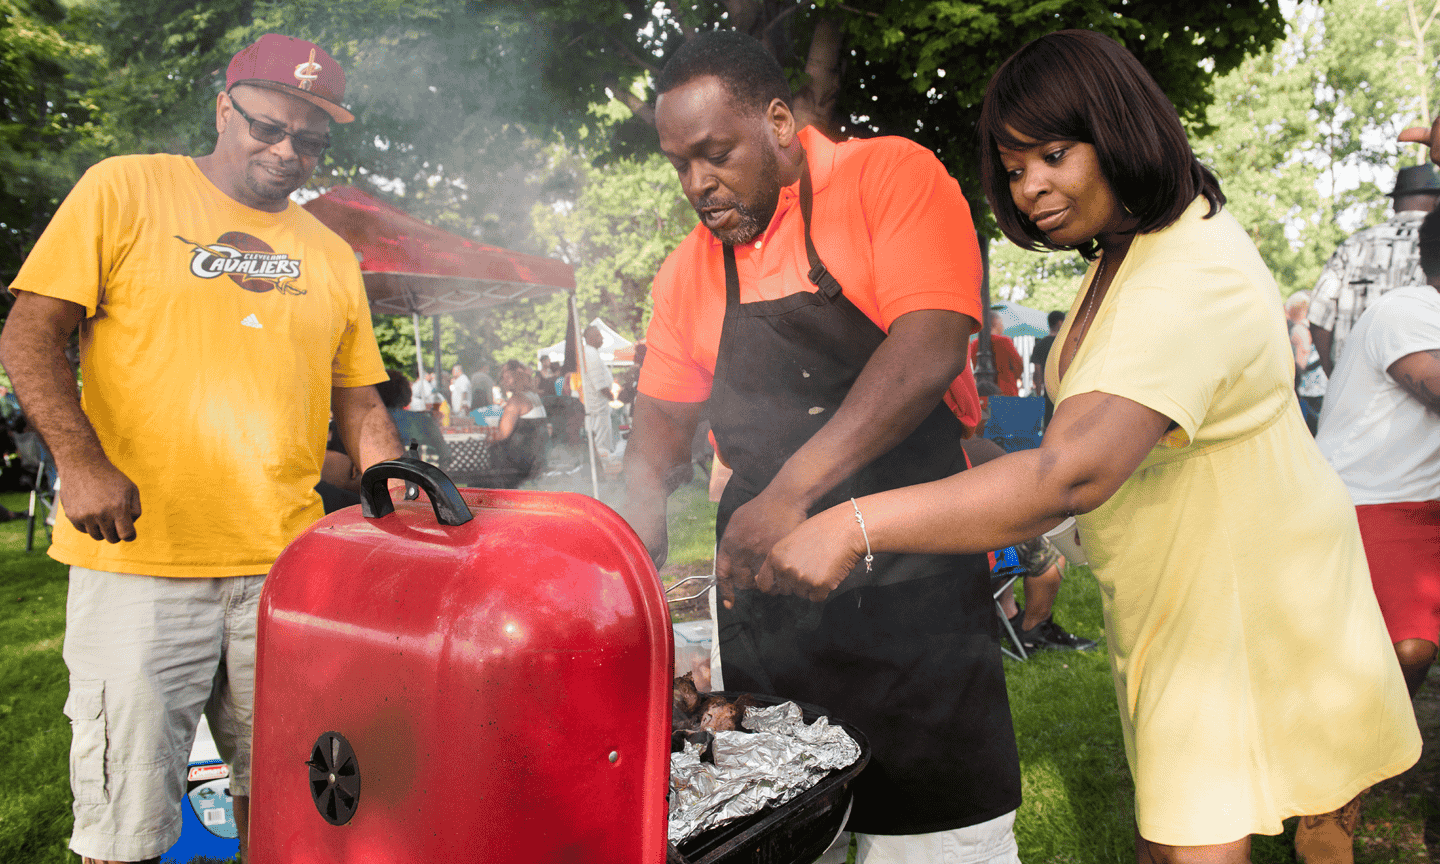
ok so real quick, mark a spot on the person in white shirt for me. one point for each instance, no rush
(598, 383)
(420, 391)
(459, 392)
(1380, 429)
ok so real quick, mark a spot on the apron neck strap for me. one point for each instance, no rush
(820, 277)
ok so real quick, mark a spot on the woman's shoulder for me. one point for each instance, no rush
(1200, 252)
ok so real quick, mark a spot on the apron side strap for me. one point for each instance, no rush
(829, 286)
(819, 276)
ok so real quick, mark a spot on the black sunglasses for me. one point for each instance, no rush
(305, 143)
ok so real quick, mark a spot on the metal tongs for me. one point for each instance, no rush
(706, 581)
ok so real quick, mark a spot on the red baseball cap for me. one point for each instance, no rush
(294, 67)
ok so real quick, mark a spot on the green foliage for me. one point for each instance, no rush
(919, 67)
(396, 335)
(48, 128)
(1302, 130)
(1042, 281)
(1300, 135)
(629, 216)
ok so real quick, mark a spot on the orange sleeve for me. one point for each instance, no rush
(671, 371)
(915, 210)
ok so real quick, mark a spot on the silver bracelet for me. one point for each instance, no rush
(869, 557)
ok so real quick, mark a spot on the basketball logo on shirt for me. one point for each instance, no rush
(248, 261)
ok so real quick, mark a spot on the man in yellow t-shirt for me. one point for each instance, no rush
(220, 324)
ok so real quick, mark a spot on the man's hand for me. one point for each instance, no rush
(753, 531)
(101, 501)
(1422, 135)
(815, 558)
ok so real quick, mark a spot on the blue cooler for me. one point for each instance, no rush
(208, 831)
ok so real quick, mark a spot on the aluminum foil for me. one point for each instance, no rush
(776, 760)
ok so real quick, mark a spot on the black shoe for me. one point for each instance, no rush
(1047, 635)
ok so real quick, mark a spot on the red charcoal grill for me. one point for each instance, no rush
(486, 677)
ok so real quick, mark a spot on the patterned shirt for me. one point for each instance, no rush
(1365, 266)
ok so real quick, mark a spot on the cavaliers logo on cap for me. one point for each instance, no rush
(307, 72)
(248, 261)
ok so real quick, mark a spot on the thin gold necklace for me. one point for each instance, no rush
(1094, 297)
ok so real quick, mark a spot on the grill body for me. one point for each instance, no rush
(501, 688)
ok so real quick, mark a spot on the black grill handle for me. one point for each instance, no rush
(450, 508)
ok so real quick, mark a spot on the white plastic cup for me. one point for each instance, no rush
(1066, 537)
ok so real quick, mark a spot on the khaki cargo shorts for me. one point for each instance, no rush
(147, 655)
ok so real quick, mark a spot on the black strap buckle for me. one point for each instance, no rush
(818, 272)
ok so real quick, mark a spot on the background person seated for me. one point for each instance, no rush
(517, 445)
(418, 426)
(1034, 625)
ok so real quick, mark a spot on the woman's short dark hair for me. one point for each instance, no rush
(751, 76)
(1077, 85)
(1429, 241)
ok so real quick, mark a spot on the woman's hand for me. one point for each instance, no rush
(815, 558)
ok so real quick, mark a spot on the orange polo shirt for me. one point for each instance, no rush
(888, 221)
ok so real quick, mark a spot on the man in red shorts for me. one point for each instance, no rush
(1380, 429)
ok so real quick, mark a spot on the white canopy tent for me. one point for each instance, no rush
(612, 343)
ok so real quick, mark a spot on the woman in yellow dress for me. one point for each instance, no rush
(1254, 675)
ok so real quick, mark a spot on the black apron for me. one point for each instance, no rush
(909, 652)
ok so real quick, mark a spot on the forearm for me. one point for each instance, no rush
(659, 441)
(33, 355)
(999, 504)
(1321, 340)
(645, 507)
(365, 426)
(1419, 375)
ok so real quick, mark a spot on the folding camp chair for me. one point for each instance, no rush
(1016, 422)
(1005, 568)
(35, 458)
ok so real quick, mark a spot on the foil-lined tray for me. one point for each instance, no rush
(779, 757)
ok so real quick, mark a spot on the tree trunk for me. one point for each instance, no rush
(815, 103)
(985, 371)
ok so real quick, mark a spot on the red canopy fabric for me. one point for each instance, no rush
(412, 266)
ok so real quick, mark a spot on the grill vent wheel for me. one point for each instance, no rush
(334, 778)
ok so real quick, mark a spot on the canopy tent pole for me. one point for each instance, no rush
(419, 350)
(435, 342)
(584, 382)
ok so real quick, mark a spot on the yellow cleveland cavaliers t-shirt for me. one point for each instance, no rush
(214, 333)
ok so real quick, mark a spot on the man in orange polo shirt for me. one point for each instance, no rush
(821, 310)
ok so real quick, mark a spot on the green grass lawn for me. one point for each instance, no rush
(1078, 795)
(34, 734)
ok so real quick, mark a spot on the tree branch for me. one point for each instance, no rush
(629, 53)
(816, 102)
(744, 14)
(639, 107)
